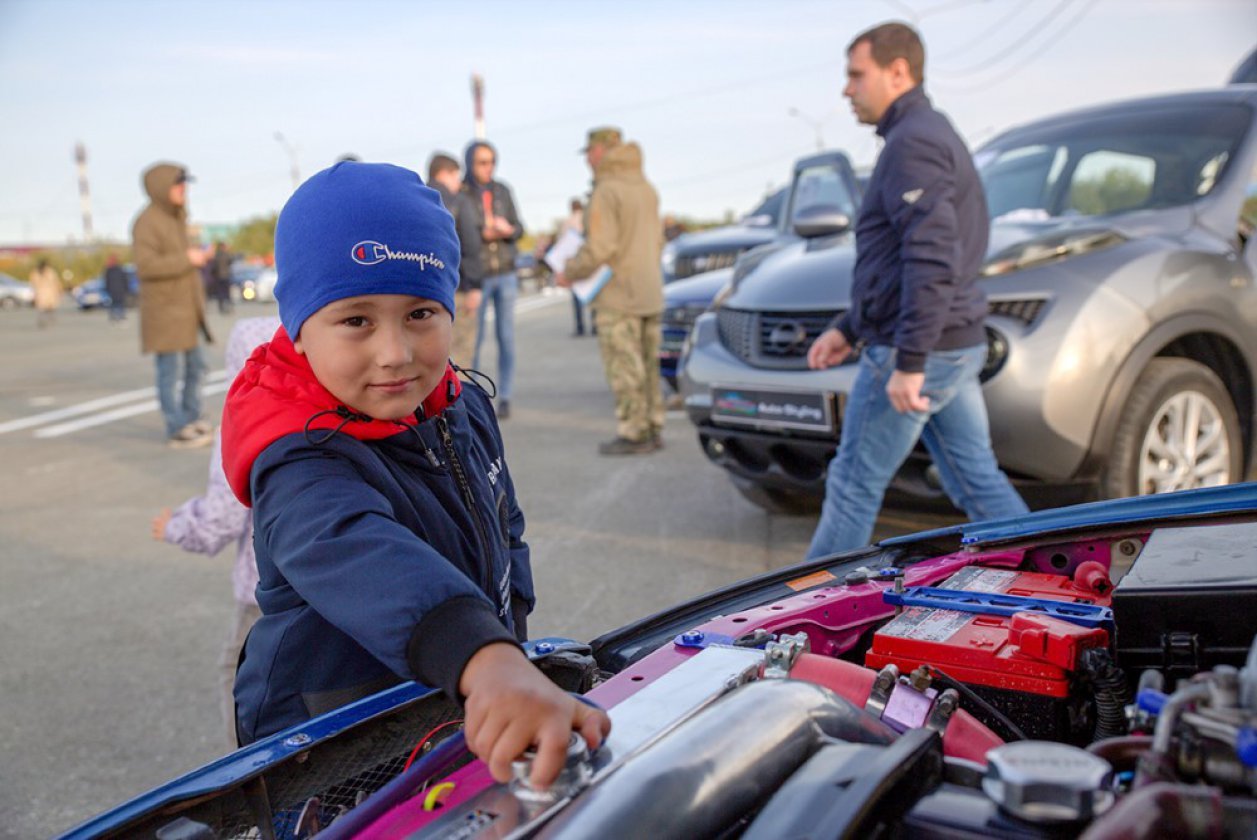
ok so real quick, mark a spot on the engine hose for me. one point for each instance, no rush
(1112, 694)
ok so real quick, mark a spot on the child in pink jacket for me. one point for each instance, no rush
(205, 524)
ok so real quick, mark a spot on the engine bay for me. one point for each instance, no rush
(1099, 687)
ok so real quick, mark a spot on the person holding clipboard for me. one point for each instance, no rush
(619, 262)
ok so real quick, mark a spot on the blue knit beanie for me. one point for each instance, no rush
(362, 229)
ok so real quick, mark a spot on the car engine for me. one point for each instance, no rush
(1103, 688)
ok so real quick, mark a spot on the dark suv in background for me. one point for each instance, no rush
(1123, 315)
(708, 250)
(820, 180)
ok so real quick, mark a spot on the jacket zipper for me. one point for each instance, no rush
(447, 440)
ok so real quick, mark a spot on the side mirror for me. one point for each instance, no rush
(821, 220)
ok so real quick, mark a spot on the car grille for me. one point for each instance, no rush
(689, 265)
(777, 340)
(676, 325)
(1026, 311)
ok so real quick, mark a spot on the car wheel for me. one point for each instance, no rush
(1178, 430)
(776, 500)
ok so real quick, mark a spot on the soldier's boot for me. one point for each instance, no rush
(625, 446)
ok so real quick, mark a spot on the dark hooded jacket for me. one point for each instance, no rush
(469, 243)
(172, 295)
(495, 256)
(386, 551)
(920, 240)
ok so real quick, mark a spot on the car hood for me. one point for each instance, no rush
(807, 274)
(816, 274)
(731, 238)
(1016, 228)
(700, 288)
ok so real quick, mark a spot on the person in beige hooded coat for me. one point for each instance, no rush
(172, 303)
(47, 286)
(623, 232)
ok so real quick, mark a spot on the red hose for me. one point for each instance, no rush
(965, 736)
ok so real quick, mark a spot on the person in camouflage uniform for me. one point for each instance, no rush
(623, 232)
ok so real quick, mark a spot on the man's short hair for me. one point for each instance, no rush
(889, 41)
(439, 163)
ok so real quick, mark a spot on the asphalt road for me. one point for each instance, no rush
(110, 638)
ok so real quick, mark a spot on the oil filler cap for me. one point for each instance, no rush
(1046, 782)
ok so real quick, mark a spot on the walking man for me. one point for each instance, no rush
(445, 176)
(623, 232)
(172, 303)
(499, 226)
(916, 310)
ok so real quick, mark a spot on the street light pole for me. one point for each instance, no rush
(291, 150)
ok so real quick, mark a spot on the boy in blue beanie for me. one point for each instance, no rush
(389, 543)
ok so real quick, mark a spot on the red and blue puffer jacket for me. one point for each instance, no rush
(386, 550)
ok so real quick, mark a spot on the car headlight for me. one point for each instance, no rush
(723, 294)
(750, 260)
(1036, 252)
(668, 259)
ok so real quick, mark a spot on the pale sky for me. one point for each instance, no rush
(706, 87)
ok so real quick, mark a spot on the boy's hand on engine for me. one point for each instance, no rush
(512, 706)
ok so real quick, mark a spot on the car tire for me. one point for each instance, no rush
(1176, 408)
(776, 500)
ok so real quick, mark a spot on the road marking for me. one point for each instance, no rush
(92, 405)
(119, 406)
(528, 305)
(117, 414)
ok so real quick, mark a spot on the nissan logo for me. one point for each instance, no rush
(786, 336)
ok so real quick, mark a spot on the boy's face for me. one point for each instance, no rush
(378, 354)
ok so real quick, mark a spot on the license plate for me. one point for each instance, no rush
(766, 408)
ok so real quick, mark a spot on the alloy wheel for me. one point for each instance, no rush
(1186, 446)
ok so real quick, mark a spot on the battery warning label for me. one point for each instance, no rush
(926, 625)
(977, 579)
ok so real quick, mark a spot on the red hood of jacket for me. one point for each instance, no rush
(276, 394)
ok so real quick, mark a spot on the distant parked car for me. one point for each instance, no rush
(15, 293)
(683, 302)
(824, 180)
(1122, 280)
(260, 288)
(92, 294)
(708, 250)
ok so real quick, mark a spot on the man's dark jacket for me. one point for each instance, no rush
(920, 240)
(496, 256)
(386, 550)
(469, 243)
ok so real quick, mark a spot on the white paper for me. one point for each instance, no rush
(589, 288)
(564, 248)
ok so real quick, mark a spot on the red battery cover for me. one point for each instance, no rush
(1027, 652)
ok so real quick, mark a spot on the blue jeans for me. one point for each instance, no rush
(877, 439)
(501, 289)
(179, 412)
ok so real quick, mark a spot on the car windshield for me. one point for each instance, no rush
(1112, 163)
(821, 184)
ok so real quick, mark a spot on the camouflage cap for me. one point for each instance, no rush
(603, 136)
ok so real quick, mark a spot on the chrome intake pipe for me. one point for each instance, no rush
(711, 770)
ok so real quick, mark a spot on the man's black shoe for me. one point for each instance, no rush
(504, 409)
(624, 446)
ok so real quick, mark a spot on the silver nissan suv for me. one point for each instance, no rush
(1122, 330)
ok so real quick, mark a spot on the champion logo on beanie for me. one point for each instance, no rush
(370, 253)
(362, 229)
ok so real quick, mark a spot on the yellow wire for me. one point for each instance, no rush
(437, 795)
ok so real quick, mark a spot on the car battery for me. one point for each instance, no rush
(1015, 638)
